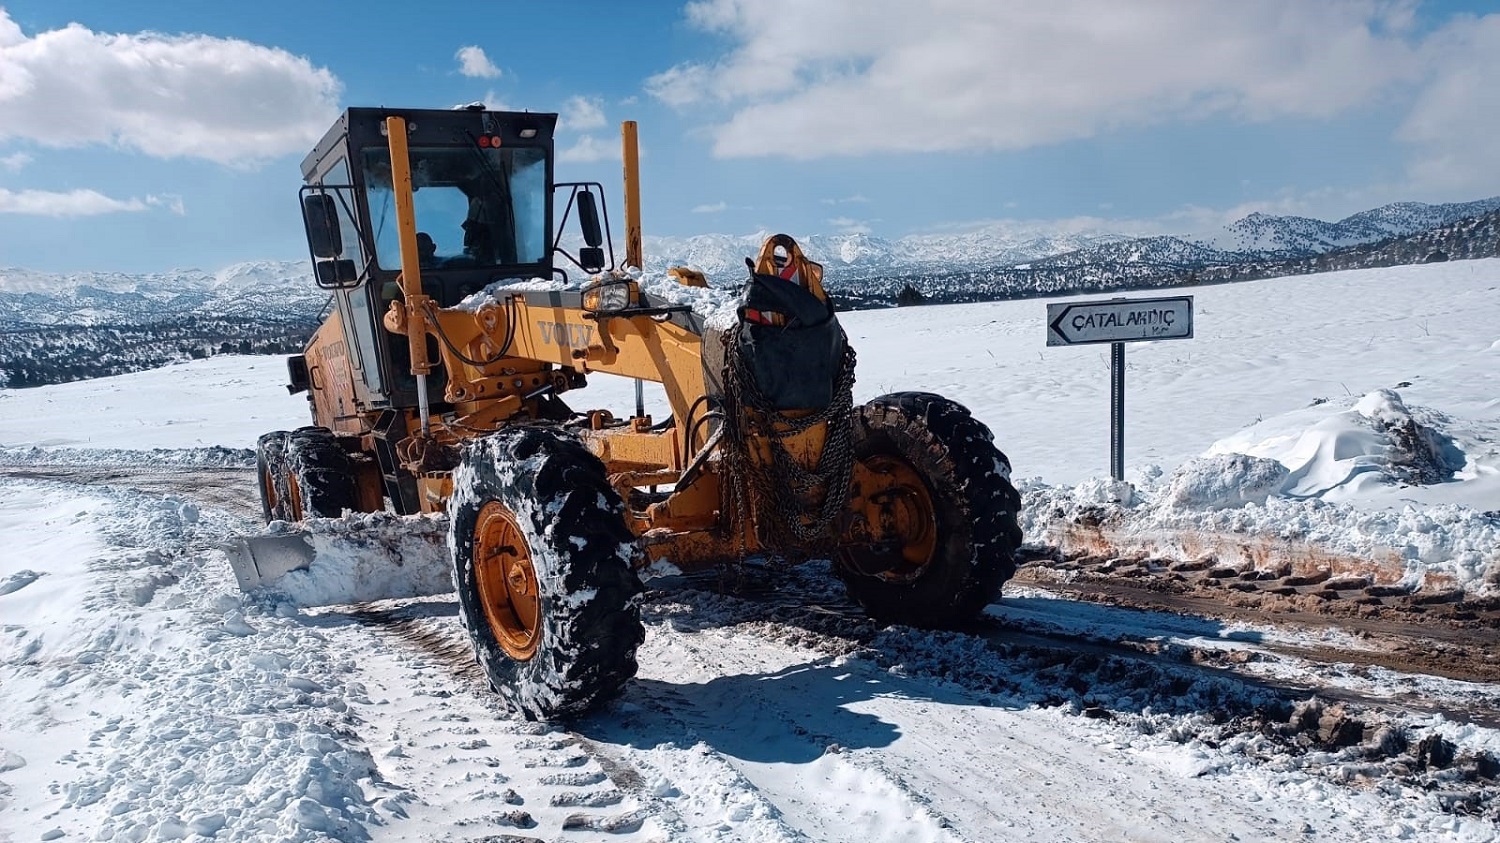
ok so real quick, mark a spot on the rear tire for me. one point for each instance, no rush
(320, 475)
(271, 477)
(544, 569)
(962, 484)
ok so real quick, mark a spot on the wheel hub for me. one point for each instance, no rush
(894, 517)
(508, 589)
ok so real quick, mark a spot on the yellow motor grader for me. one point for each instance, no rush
(436, 385)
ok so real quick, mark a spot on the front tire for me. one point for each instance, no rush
(544, 568)
(932, 516)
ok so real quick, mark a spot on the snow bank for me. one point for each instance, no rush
(1224, 482)
(173, 712)
(1350, 454)
(1407, 495)
(210, 457)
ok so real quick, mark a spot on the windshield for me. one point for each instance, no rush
(475, 207)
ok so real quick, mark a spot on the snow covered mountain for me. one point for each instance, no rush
(849, 257)
(1301, 236)
(271, 291)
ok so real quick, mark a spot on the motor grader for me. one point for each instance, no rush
(463, 313)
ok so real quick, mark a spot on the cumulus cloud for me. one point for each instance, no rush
(168, 96)
(171, 201)
(852, 77)
(849, 225)
(474, 63)
(715, 208)
(589, 149)
(72, 203)
(15, 162)
(580, 114)
(1454, 128)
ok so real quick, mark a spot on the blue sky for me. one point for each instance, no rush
(149, 135)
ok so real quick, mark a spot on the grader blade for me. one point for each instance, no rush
(259, 561)
(357, 559)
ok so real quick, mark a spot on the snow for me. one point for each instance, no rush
(1352, 413)
(221, 401)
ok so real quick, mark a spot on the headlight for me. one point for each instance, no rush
(609, 297)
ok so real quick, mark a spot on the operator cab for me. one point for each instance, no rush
(483, 196)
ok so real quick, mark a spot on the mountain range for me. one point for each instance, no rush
(62, 326)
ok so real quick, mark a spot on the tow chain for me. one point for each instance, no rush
(798, 508)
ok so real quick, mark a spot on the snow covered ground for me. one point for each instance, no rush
(144, 699)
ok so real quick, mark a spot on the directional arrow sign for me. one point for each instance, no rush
(1120, 320)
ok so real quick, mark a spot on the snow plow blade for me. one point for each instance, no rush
(356, 559)
(260, 560)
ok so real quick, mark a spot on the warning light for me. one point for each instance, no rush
(484, 140)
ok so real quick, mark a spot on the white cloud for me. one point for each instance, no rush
(715, 208)
(589, 149)
(473, 62)
(170, 201)
(1454, 127)
(169, 96)
(15, 162)
(847, 225)
(73, 203)
(856, 199)
(851, 77)
(579, 114)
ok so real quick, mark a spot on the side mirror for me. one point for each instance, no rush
(590, 257)
(336, 273)
(320, 215)
(588, 217)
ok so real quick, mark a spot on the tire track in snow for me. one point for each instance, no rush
(686, 793)
(468, 765)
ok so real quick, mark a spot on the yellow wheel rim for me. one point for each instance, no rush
(897, 507)
(268, 488)
(293, 498)
(508, 588)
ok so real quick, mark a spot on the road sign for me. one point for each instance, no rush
(1120, 320)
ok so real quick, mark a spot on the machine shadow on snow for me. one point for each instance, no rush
(791, 716)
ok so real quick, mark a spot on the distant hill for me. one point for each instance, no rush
(61, 327)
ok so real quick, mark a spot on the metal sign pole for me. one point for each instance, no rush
(1118, 321)
(1117, 410)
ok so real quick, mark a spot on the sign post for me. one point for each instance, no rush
(1118, 321)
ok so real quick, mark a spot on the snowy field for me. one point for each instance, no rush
(144, 699)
